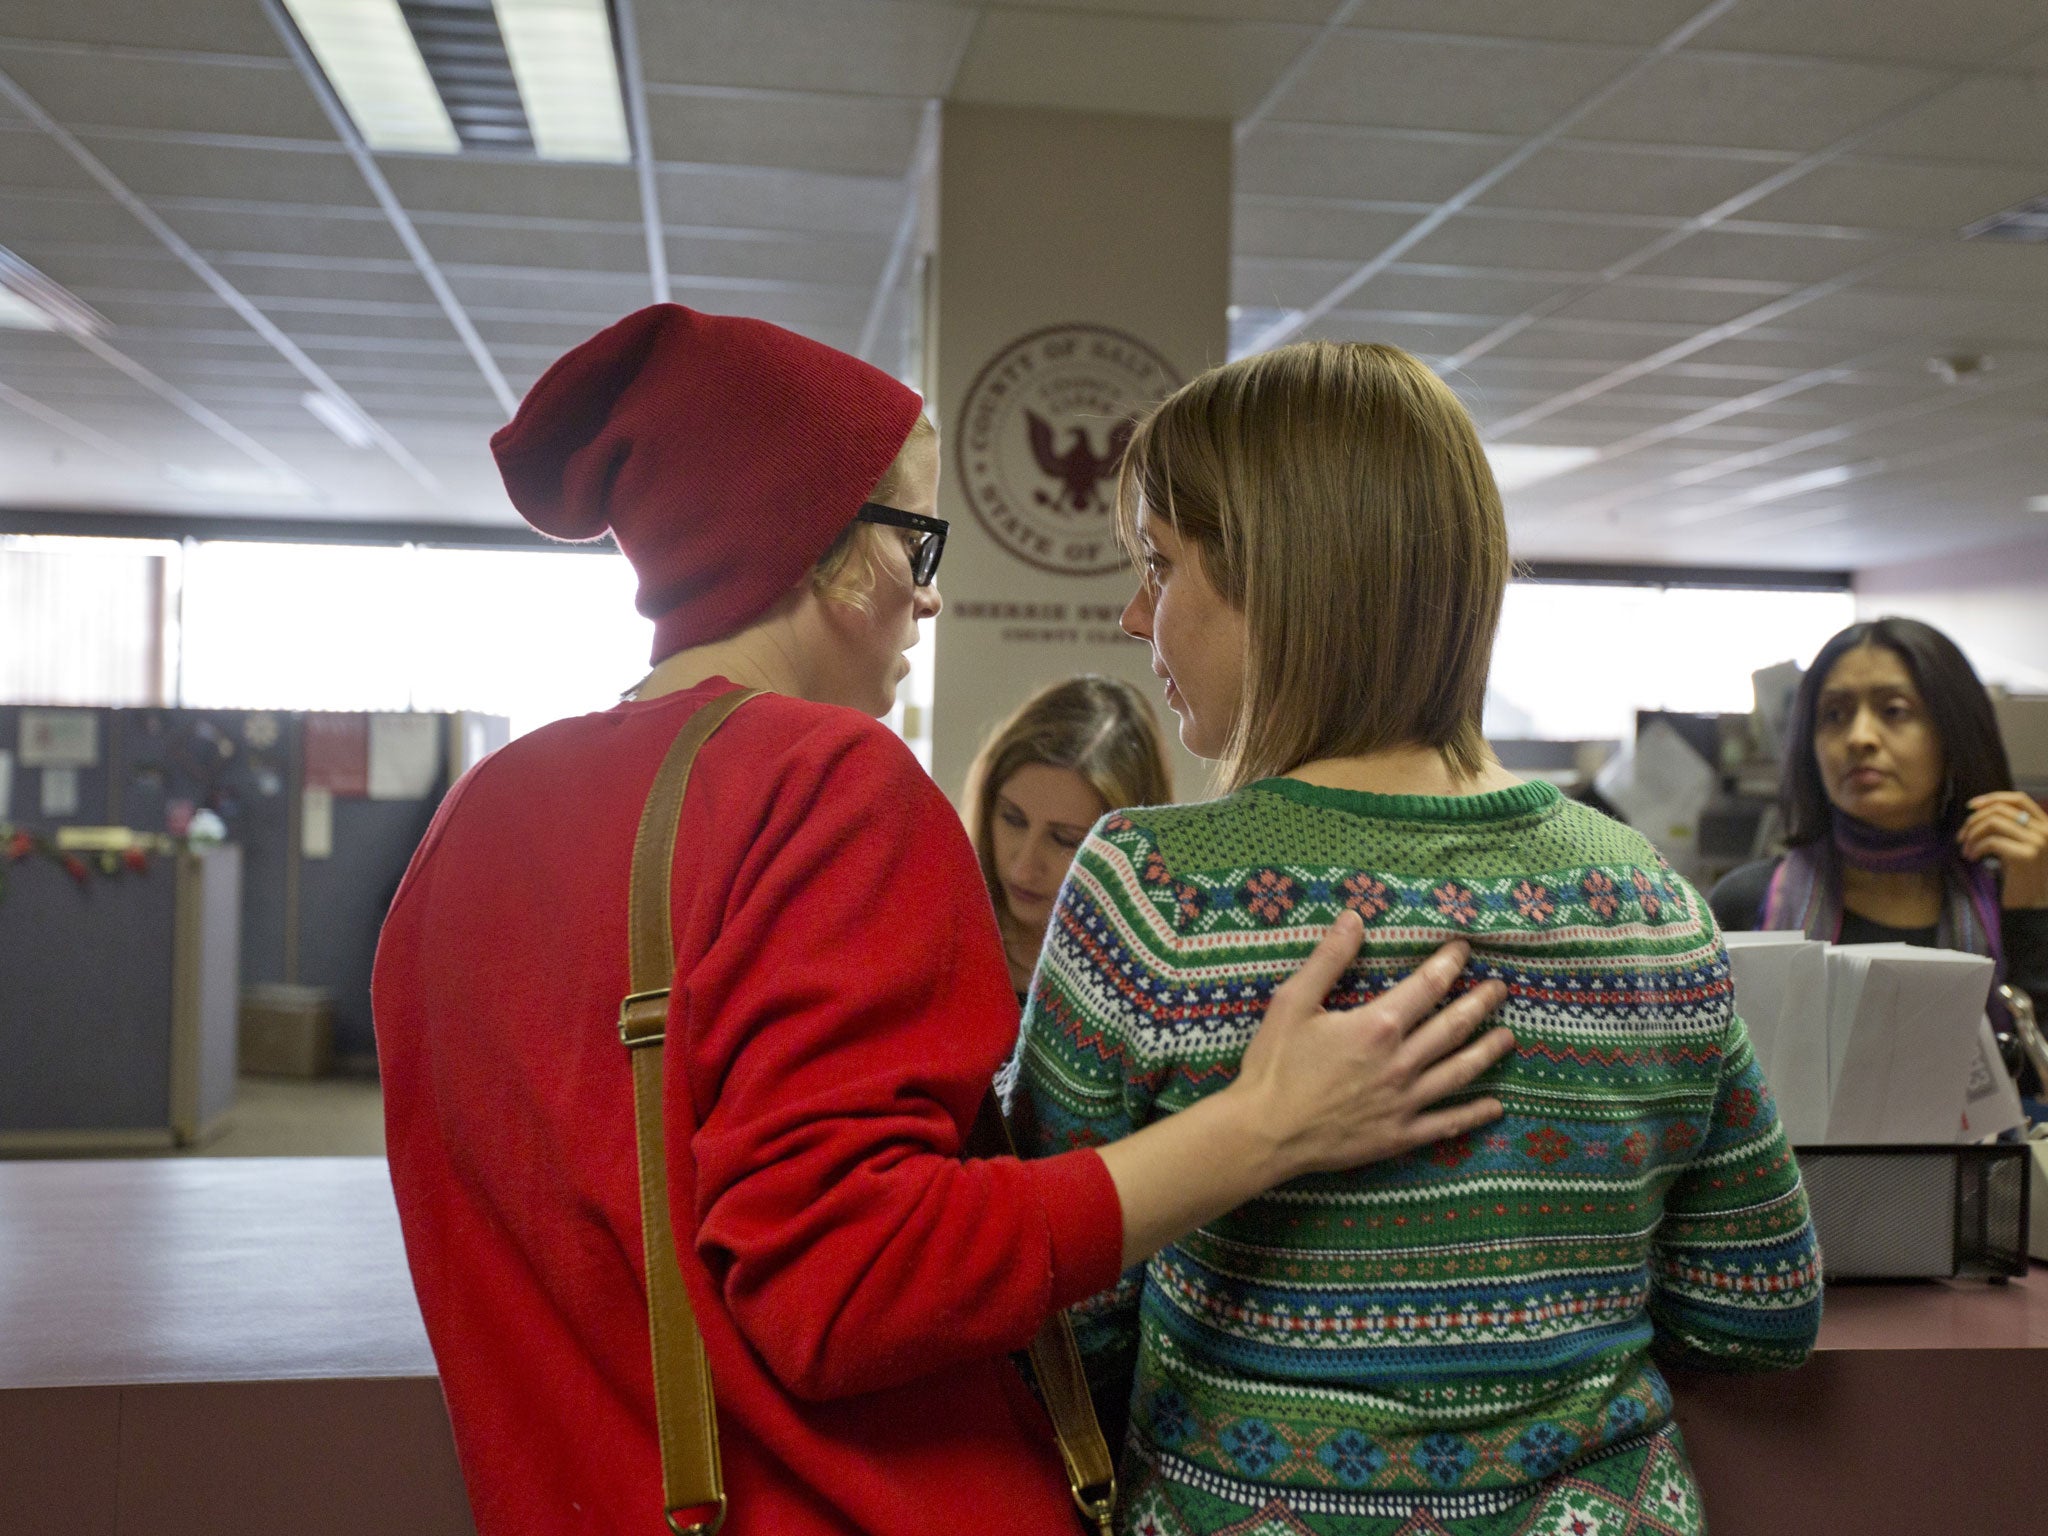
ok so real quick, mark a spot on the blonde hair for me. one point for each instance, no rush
(1338, 497)
(1098, 727)
(845, 573)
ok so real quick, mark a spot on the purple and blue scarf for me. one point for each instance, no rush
(1806, 887)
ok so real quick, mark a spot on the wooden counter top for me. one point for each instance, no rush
(143, 1271)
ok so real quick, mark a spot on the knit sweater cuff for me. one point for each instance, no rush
(1086, 1219)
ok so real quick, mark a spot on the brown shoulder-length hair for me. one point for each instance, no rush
(1098, 727)
(1338, 497)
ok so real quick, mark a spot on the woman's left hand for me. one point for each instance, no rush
(2008, 826)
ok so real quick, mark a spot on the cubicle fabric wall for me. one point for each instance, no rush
(319, 869)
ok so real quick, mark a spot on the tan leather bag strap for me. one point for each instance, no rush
(686, 1417)
(1056, 1362)
(685, 1413)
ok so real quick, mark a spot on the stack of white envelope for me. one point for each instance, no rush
(1872, 1043)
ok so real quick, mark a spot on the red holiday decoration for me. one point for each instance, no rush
(20, 846)
(74, 866)
(135, 859)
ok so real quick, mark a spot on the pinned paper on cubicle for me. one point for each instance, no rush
(338, 754)
(1659, 784)
(1991, 1104)
(6, 785)
(60, 791)
(316, 824)
(59, 738)
(405, 756)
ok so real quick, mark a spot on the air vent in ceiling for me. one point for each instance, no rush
(2027, 223)
(465, 55)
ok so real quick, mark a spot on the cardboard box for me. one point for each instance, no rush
(287, 1031)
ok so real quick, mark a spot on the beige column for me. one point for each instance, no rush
(1081, 272)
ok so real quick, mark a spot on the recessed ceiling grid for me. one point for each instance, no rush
(1716, 245)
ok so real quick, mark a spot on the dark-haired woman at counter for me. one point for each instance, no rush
(1901, 818)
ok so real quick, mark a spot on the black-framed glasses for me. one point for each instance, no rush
(924, 554)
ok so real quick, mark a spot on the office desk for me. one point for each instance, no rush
(1919, 1412)
(215, 1347)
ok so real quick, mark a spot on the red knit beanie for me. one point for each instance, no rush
(725, 455)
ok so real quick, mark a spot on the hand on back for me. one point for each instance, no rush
(1341, 1089)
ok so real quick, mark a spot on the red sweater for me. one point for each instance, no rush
(840, 1006)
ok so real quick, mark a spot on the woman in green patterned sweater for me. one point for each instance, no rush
(1460, 1339)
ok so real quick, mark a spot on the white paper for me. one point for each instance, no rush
(1991, 1104)
(60, 791)
(1660, 787)
(6, 785)
(59, 738)
(1775, 687)
(316, 823)
(405, 756)
(1781, 991)
(1902, 1037)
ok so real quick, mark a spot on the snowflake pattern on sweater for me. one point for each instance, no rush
(1472, 1321)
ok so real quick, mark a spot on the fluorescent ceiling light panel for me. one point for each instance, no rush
(370, 58)
(1518, 464)
(561, 53)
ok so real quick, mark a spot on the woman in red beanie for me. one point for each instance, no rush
(839, 1005)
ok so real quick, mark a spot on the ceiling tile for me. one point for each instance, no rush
(1998, 121)
(1984, 268)
(1274, 227)
(589, 294)
(1552, 245)
(877, 47)
(781, 200)
(169, 93)
(1969, 32)
(475, 184)
(139, 269)
(1945, 322)
(1574, 177)
(1895, 194)
(288, 229)
(844, 259)
(600, 247)
(1263, 284)
(1492, 295)
(32, 161)
(872, 137)
(1765, 258)
(1335, 162)
(1305, 13)
(1571, 21)
(1440, 338)
(1752, 103)
(1154, 65)
(185, 170)
(1683, 306)
(147, 24)
(1389, 80)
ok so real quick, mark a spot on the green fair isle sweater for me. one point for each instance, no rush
(1457, 1339)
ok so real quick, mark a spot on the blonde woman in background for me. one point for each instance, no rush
(1071, 753)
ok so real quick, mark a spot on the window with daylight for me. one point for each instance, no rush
(1574, 662)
